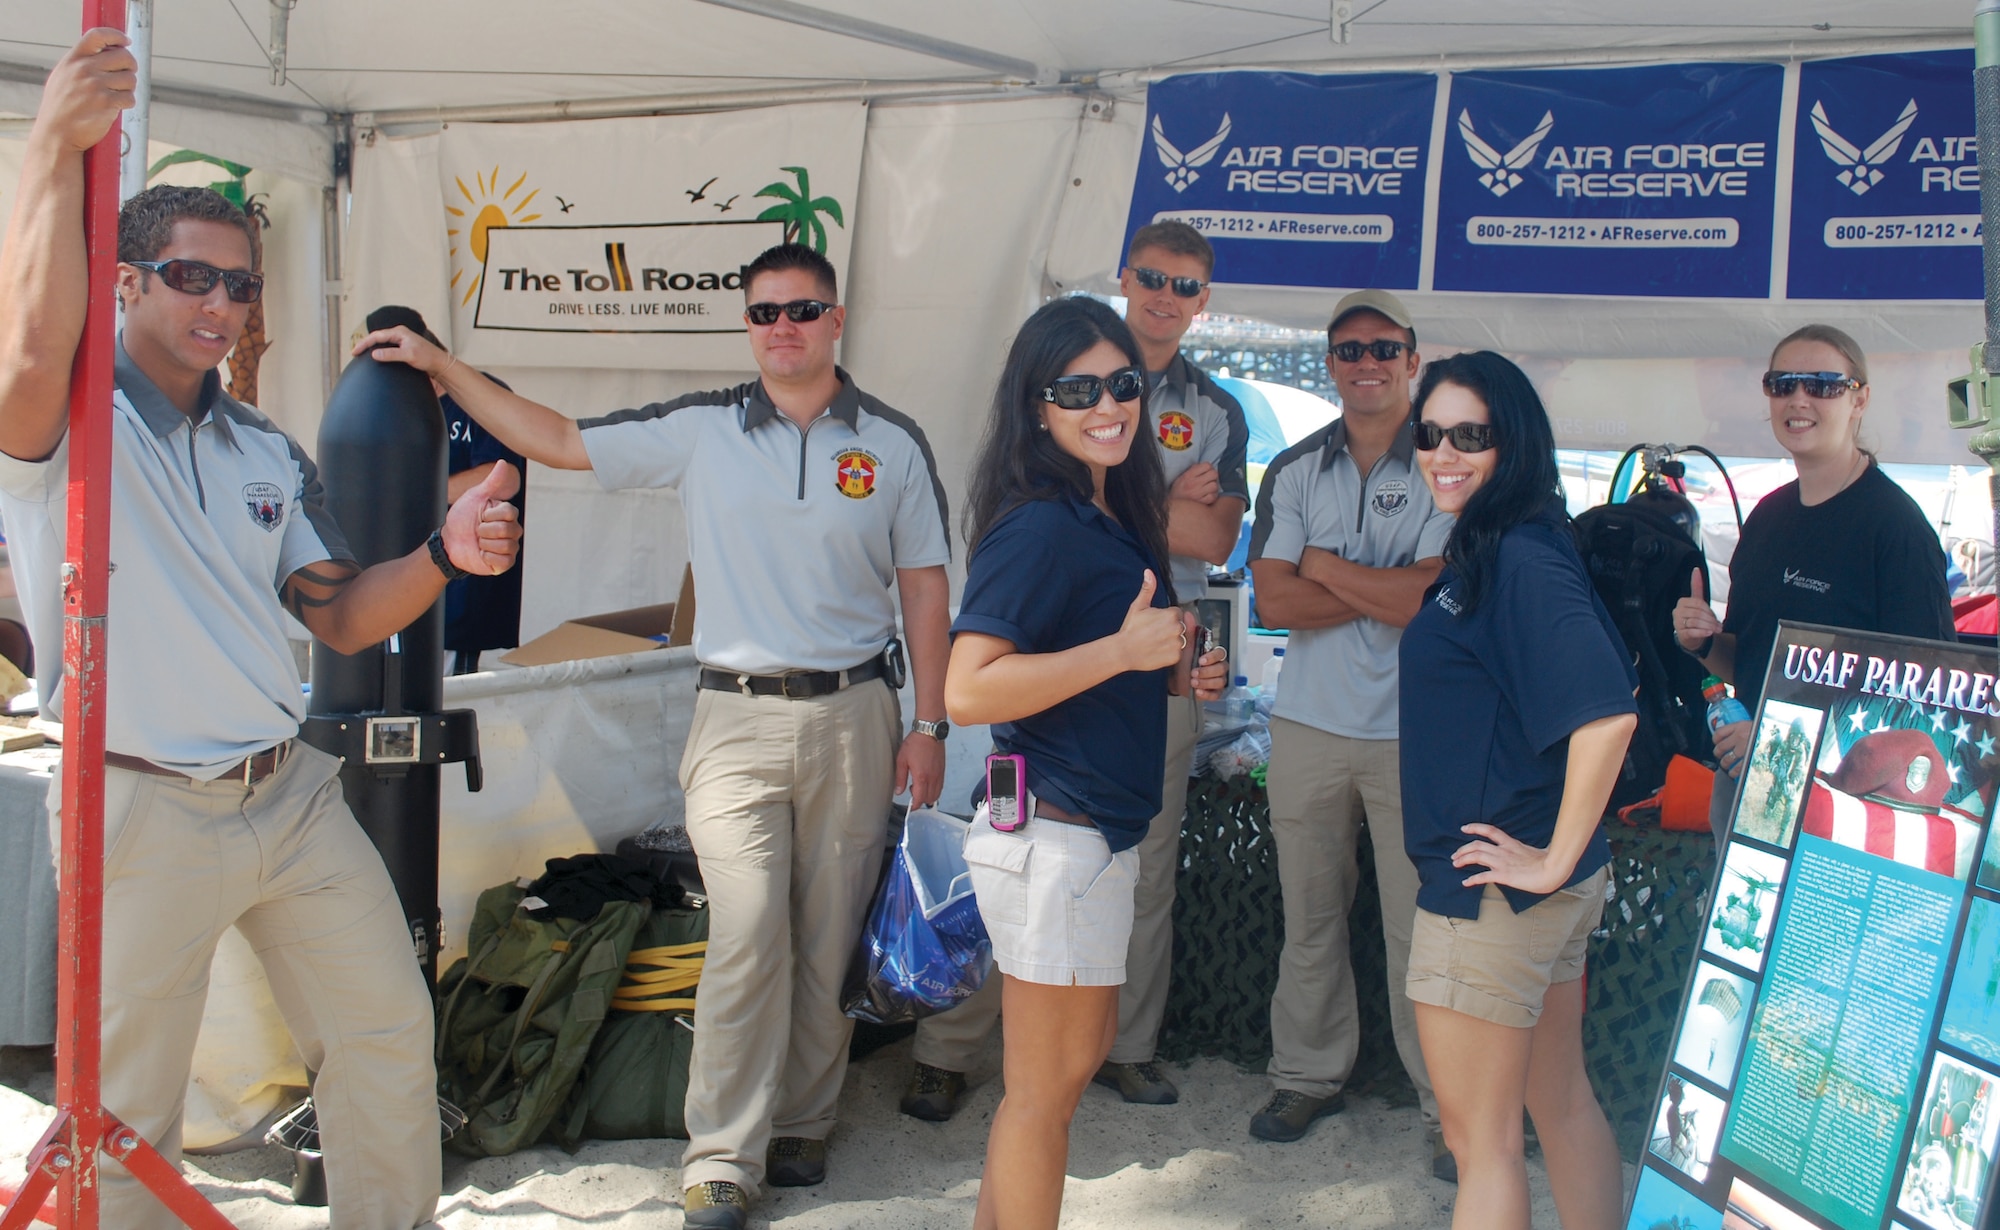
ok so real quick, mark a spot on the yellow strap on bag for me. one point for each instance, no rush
(654, 976)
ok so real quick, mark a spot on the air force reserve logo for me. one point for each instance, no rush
(1392, 496)
(1176, 431)
(854, 473)
(1180, 167)
(1860, 168)
(266, 502)
(1500, 172)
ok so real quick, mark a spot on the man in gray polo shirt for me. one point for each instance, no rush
(1345, 543)
(806, 501)
(1203, 440)
(215, 815)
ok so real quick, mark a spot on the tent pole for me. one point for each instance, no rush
(137, 123)
(1986, 105)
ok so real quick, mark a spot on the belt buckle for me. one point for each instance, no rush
(785, 686)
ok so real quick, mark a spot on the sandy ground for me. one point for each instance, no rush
(1191, 1165)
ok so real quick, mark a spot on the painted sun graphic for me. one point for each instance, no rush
(488, 208)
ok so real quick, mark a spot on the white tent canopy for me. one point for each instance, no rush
(998, 164)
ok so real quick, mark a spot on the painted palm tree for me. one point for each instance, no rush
(800, 211)
(250, 347)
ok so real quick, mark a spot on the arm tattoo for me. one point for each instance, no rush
(318, 585)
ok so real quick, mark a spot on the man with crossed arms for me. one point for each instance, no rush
(1345, 544)
(806, 501)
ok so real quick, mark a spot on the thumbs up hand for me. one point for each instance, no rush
(482, 531)
(1153, 637)
(1694, 620)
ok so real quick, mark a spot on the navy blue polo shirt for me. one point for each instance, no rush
(482, 612)
(1489, 700)
(1048, 576)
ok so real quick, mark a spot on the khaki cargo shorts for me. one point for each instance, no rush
(1497, 967)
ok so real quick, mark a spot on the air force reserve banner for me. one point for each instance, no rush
(1626, 181)
(1297, 180)
(1885, 183)
(621, 242)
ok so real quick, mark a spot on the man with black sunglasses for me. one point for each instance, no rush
(215, 814)
(808, 504)
(1203, 440)
(1345, 544)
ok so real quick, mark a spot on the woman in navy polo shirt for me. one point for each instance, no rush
(1516, 708)
(1067, 641)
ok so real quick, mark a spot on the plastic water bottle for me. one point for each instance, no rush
(1723, 709)
(1267, 684)
(1239, 704)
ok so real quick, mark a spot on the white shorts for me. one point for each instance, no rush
(1057, 902)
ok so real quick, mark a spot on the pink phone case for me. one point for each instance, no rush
(1005, 810)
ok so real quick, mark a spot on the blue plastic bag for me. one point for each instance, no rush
(925, 948)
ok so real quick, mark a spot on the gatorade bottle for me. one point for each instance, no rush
(1723, 709)
(1268, 682)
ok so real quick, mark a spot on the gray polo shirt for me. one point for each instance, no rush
(1194, 420)
(209, 516)
(794, 536)
(1343, 679)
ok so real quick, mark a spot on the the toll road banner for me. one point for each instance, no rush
(1296, 180)
(1656, 180)
(1885, 181)
(621, 243)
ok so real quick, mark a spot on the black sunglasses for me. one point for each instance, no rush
(1382, 348)
(1465, 437)
(1822, 385)
(798, 311)
(195, 278)
(1153, 279)
(1083, 392)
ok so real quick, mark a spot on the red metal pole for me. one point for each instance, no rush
(85, 593)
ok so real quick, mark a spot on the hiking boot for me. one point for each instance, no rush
(1444, 1165)
(933, 1093)
(715, 1205)
(794, 1161)
(1289, 1113)
(1142, 1083)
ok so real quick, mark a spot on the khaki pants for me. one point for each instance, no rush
(285, 863)
(1321, 787)
(953, 1040)
(787, 803)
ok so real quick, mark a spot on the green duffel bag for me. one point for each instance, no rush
(517, 1017)
(634, 1084)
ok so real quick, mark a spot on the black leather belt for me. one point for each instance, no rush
(794, 685)
(1049, 811)
(249, 771)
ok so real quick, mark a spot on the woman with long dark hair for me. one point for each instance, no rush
(1516, 709)
(1842, 545)
(1066, 643)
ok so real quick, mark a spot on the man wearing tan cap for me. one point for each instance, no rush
(1345, 544)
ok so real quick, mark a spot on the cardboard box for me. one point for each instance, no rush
(603, 636)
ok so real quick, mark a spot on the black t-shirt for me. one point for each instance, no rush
(1489, 700)
(1048, 576)
(1865, 559)
(483, 612)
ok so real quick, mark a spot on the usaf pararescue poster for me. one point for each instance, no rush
(1837, 1062)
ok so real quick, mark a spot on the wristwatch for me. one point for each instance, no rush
(939, 730)
(451, 571)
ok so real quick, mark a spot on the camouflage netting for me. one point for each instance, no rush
(1229, 928)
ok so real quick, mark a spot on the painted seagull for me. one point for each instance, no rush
(701, 193)
(724, 205)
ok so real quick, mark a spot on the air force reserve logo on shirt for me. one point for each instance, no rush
(1392, 496)
(266, 502)
(854, 473)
